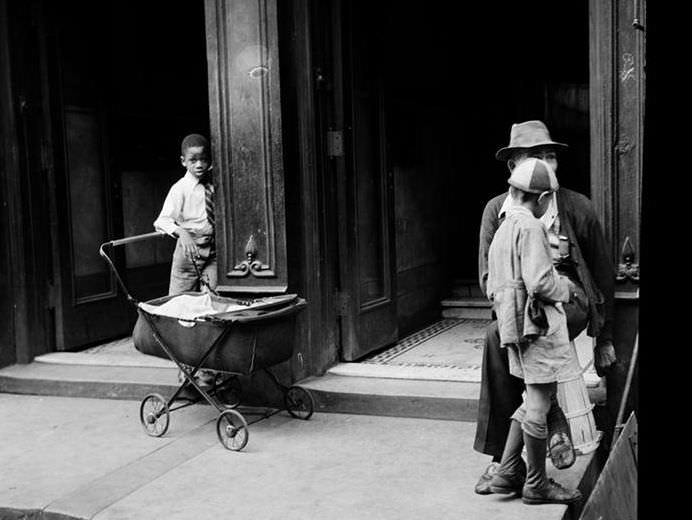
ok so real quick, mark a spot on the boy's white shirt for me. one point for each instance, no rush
(185, 207)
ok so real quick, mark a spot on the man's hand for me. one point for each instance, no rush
(188, 244)
(603, 356)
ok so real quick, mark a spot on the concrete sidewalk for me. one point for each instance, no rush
(64, 457)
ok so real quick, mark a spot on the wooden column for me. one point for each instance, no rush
(617, 90)
(245, 118)
(12, 293)
(24, 172)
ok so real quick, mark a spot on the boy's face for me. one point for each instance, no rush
(196, 160)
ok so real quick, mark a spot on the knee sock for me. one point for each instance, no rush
(512, 463)
(535, 461)
(537, 429)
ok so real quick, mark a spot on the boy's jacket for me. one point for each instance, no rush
(588, 250)
(521, 276)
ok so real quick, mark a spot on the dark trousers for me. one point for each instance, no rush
(500, 396)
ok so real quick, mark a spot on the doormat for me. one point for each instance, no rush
(439, 344)
(448, 350)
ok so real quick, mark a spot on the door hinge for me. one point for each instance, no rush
(342, 301)
(335, 143)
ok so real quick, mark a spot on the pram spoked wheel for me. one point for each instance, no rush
(154, 415)
(231, 428)
(299, 402)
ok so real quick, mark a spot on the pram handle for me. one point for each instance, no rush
(135, 238)
(121, 242)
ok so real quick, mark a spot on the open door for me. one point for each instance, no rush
(366, 252)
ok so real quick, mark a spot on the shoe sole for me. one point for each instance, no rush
(504, 490)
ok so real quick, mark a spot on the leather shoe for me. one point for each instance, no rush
(506, 484)
(483, 484)
(550, 493)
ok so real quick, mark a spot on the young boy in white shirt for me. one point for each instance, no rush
(188, 215)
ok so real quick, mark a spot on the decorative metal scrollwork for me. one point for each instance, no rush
(251, 265)
(628, 269)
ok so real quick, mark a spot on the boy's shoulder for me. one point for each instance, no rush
(524, 219)
(180, 183)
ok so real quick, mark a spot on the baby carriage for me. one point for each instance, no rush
(233, 336)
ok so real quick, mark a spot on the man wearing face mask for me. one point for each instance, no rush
(579, 252)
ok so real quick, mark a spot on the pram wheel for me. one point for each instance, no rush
(299, 402)
(232, 431)
(154, 415)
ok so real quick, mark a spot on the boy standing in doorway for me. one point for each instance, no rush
(188, 215)
(527, 295)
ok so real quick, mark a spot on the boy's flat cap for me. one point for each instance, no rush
(534, 176)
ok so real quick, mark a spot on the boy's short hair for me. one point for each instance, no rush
(193, 140)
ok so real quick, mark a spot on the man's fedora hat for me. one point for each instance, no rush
(528, 134)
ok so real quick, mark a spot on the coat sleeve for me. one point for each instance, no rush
(595, 253)
(490, 221)
(537, 271)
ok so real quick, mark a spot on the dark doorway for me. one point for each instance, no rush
(457, 79)
(451, 83)
(128, 80)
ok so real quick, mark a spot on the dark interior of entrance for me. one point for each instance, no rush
(455, 81)
(128, 82)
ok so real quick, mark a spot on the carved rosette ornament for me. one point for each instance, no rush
(251, 265)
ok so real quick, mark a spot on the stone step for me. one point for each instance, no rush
(426, 399)
(101, 382)
(466, 302)
(473, 308)
(449, 400)
(466, 289)
(356, 388)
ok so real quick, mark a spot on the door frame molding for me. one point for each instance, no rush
(30, 289)
(614, 185)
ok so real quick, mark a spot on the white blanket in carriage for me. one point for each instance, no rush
(192, 306)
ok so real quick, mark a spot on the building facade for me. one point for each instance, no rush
(353, 145)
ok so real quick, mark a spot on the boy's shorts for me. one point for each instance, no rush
(548, 359)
